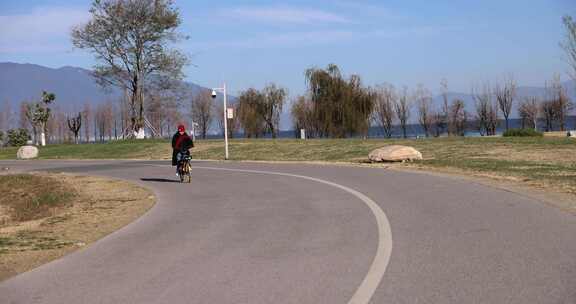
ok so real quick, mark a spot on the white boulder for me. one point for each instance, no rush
(394, 153)
(27, 152)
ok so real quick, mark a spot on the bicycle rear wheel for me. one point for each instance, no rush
(188, 170)
(181, 175)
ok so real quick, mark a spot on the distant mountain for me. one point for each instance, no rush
(73, 86)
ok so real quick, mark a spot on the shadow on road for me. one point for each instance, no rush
(159, 180)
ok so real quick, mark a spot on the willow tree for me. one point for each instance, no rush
(250, 119)
(341, 107)
(302, 117)
(130, 40)
(271, 106)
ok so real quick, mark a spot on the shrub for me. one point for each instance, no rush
(522, 133)
(1, 138)
(18, 137)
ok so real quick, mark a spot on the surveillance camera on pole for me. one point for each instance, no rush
(223, 90)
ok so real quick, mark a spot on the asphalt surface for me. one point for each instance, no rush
(233, 236)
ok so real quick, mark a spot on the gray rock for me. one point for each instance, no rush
(394, 153)
(27, 152)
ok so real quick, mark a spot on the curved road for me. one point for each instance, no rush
(263, 233)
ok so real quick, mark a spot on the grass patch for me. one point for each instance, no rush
(125, 149)
(31, 197)
(59, 213)
(522, 133)
(31, 240)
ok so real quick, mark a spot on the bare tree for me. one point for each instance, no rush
(486, 111)
(458, 117)
(528, 112)
(156, 112)
(103, 120)
(74, 124)
(438, 123)
(173, 116)
(384, 111)
(493, 119)
(29, 112)
(202, 112)
(4, 114)
(22, 117)
(99, 123)
(109, 115)
(561, 103)
(443, 119)
(125, 114)
(56, 127)
(505, 95)
(569, 44)
(87, 118)
(130, 40)
(548, 114)
(425, 116)
(402, 108)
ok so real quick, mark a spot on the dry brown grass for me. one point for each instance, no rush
(30, 197)
(98, 207)
(556, 134)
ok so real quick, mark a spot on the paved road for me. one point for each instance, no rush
(238, 236)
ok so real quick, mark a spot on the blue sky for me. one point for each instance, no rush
(251, 43)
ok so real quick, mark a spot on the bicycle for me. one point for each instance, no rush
(184, 169)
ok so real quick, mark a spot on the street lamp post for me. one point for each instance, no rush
(223, 90)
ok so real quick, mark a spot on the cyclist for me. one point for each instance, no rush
(181, 144)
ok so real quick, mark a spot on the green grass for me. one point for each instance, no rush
(113, 150)
(542, 161)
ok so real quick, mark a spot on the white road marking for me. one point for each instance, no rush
(368, 286)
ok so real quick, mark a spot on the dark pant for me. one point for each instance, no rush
(175, 156)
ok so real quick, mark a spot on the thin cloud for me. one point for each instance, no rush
(308, 38)
(283, 15)
(367, 9)
(41, 30)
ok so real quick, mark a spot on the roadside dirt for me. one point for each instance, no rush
(99, 207)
